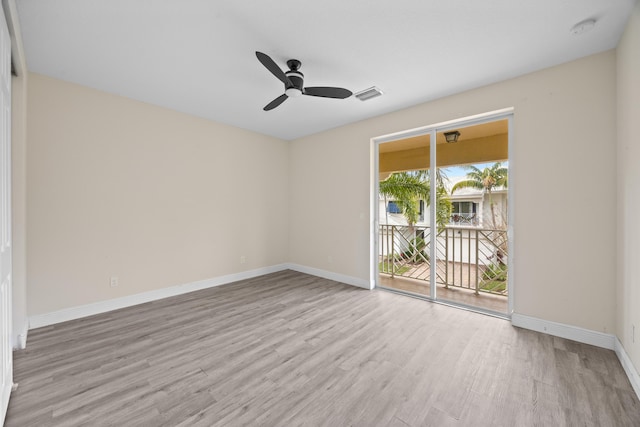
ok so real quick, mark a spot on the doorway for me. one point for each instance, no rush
(6, 361)
(457, 250)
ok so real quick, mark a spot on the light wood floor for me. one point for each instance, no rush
(290, 349)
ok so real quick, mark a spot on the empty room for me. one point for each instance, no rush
(409, 213)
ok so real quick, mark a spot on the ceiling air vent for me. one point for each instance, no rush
(366, 94)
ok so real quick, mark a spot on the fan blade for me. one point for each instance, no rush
(273, 67)
(328, 92)
(273, 104)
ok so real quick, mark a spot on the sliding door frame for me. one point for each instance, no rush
(432, 131)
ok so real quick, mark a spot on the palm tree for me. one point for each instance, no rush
(408, 188)
(486, 180)
(441, 176)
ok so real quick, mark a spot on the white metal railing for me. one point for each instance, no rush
(471, 258)
(464, 219)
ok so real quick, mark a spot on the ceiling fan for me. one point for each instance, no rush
(293, 83)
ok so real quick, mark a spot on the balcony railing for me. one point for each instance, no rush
(470, 258)
(464, 219)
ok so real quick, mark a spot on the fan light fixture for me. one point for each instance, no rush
(293, 92)
(452, 136)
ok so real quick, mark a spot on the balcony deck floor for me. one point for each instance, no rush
(455, 295)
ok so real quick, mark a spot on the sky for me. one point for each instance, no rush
(454, 172)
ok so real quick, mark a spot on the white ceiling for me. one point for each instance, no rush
(198, 56)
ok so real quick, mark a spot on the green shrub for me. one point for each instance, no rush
(417, 250)
(385, 267)
(494, 278)
(495, 272)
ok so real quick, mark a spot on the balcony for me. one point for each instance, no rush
(471, 263)
(464, 219)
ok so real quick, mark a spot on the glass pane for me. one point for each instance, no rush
(404, 233)
(471, 242)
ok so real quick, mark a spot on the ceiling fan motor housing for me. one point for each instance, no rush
(296, 78)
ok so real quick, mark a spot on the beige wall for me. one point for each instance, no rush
(158, 198)
(563, 162)
(628, 111)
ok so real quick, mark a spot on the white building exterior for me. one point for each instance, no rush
(471, 208)
(465, 237)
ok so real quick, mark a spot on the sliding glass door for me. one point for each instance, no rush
(456, 249)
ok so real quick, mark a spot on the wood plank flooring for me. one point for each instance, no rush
(289, 349)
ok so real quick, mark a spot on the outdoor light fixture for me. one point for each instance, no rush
(452, 136)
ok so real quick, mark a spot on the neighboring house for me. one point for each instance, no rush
(469, 208)
(391, 214)
(473, 208)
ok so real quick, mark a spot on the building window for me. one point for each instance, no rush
(393, 208)
(464, 213)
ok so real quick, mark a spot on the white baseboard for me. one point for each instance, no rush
(629, 368)
(20, 341)
(349, 280)
(46, 319)
(575, 333)
(586, 336)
